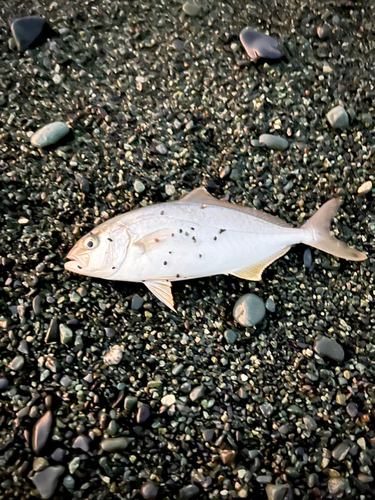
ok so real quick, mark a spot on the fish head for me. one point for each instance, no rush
(101, 252)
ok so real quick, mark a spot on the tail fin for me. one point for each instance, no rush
(321, 238)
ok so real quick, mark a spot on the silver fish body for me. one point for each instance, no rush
(195, 237)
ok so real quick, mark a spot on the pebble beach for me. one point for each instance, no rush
(258, 390)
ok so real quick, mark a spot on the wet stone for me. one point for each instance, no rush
(325, 346)
(272, 141)
(143, 414)
(249, 310)
(40, 463)
(312, 480)
(66, 334)
(228, 456)
(336, 485)
(137, 302)
(266, 409)
(168, 400)
(276, 491)
(17, 363)
(191, 9)
(51, 335)
(208, 434)
(4, 384)
(230, 336)
(82, 443)
(130, 402)
(197, 393)
(65, 381)
(58, 455)
(161, 149)
(139, 187)
(189, 492)
(307, 258)
(49, 134)
(270, 305)
(352, 410)
(41, 432)
(113, 356)
(323, 31)
(27, 31)
(365, 188)
(23, 347)
(149, 490)
(340, 451)
(37, 301)
(310, 423)
(47, 480)
(338, 117)
(264, 479)
(115, 444)
(258, 45)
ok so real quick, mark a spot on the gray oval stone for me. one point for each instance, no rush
(325, 346)
(41, 432)
(258, 44)
(272, 141)
(17, 363)
(230, 336)
(249, 310)
(115, 444)
(49, 134)
(47, 480)
(191, 9)
(338, 117)
(189, 492)
(197, 393)
(149, 490)
(66, 334)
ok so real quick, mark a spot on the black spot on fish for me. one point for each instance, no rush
(109, 239)
(170, 252)
(162, 212)
(215, 238)
(79, 267)
(200, 255)
(172, 235)
(222, 231)
(192, 228)
(193, 238)
(165, 262)
(180, 230)
(156, 240)
(113, 267)
(177, 275)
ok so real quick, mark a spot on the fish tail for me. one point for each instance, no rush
(319, 235)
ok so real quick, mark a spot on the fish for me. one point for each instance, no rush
(195, 237)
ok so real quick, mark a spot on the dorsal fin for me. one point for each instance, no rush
(200, 195)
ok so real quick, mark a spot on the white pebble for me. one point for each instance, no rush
(365, 188)
(113, 356)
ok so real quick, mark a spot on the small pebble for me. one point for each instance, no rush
(170, 190)
(197, 393)
(228, 456)
(168, 400)
(338, 117)
(37, 301)
(230, 336)
(365, 187)
(66, 334)
(4, 384)
(323, 31)
(49, 134)
(258, 45)
(189, 492)
(352, 410)
(130, 402)
(275, 142)
(149, 490)
(137, 302)
(276, 491)
(270, 305)
(139, 187)
(307, 258)
(191, 9)
(336, 485)
(17, 363)
(113, 356)
(340, 451)
(325, 346)
(143, 414)
(266, 409)
(249, 310)
(161, 149)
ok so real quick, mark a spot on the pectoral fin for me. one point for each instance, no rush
(254, 272)
(151, 240)
(162, 289)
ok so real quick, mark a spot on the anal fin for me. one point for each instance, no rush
(254, 272)
(162, 289)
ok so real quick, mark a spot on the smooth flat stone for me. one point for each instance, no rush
(365, 187)
(325, 346)
(17, 363)
(276, 491)
(41, 432)
(49, 134)
(197, 393)
(188, 492)
(191, 9)
(27, 30)
(149, 490)
(338, 117)
(258, 45)
(249, 310)
(341, 450)
(273, 142)
(47, 480)
(115, 444)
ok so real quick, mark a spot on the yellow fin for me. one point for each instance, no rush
(162, 289)
(254, 272)
(200, 195)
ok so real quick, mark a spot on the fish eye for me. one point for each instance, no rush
(92, 242)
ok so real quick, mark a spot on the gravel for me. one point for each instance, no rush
(173, 101)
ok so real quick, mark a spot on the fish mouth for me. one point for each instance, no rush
(75, 263)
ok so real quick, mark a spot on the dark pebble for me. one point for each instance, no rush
(259, 45)
(143, 414)
(307, 258)
(188, 492)
(82, 443)
(149, 490)
(47, 480)
(352, 410)
(27, 31)
(4, 384)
